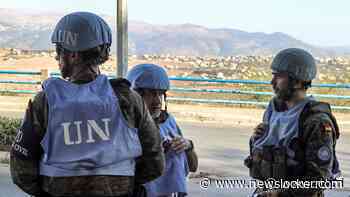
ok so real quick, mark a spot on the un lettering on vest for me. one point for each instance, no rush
(92, 127)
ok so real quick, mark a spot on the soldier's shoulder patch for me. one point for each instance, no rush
(324, 153)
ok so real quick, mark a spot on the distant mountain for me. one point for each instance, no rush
(197, 40)
(342, 50)
(32, 30)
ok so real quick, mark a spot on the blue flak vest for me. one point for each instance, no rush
(283, 126)
(86, 132)
(176, 169)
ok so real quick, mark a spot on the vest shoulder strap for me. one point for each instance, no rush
(311, 109)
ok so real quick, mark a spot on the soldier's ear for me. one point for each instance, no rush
(299, 85)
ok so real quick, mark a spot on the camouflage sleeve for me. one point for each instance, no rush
(258, 132)
(151, 164)
(319, 140)
(319, 150)
(26, 150)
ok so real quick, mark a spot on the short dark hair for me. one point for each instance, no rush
(306, 84)
(91, 57)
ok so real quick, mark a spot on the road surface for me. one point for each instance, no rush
(221, 150)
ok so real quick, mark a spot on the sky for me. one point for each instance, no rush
(321, 23)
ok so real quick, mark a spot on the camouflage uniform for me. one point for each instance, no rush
(318, 131)
(26, 151)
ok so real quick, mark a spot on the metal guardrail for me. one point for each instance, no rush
(14, 72)
(236, 81)
(195, 80)
(41, 73)
(237, 102)
(20, 82)
(219, 101)
(18, 91)
(233, 91)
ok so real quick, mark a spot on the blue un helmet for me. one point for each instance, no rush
(298, 63)
(148, 76)
(81, 31)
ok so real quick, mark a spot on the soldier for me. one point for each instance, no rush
(82, 134)
(298, 135)
(152, 83)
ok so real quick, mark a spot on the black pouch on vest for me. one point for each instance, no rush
(279, 168)
(254, 169)
(266, 162)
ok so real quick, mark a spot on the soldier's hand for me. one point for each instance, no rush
(180, 144)
(259, 130)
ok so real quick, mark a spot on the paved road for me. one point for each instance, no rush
(221, 150)
(7, 189)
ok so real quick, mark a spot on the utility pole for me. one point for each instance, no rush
(122, 38)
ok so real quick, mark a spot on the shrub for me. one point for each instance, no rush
(8, 130)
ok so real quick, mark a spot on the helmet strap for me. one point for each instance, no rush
(165, 102)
